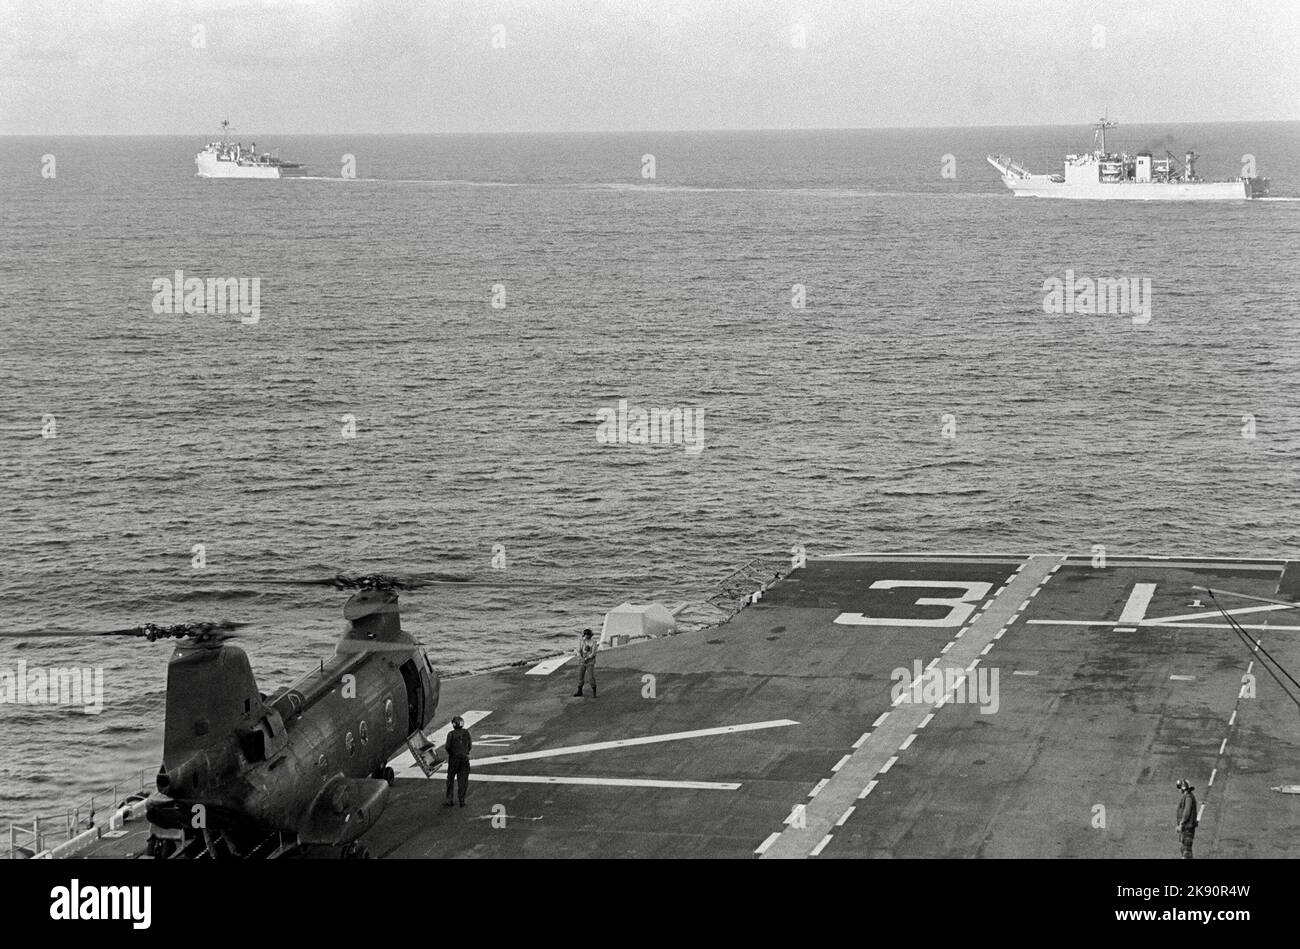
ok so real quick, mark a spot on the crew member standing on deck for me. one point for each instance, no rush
(1186, 821)
(586, 652)
(458, 746)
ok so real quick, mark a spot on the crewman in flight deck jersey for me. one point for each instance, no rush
(586, 653)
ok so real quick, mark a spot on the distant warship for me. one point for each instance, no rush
(1105, 175)
(226, 159)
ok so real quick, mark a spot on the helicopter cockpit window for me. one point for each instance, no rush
(363, 732)
(388, 712)
(349, 741)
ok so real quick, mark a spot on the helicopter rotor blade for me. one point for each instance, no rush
(352, 646)
(148, 631)
(418, 581)
(345, 581)
(67, 633)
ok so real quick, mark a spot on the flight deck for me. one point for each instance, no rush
(893, 705)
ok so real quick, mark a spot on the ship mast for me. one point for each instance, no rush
(1099, 135)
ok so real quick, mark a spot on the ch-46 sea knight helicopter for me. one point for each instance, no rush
(303, 771)
(306, 766)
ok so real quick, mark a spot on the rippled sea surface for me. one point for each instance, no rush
(476, 426)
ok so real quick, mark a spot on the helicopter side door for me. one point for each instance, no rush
(414, 696)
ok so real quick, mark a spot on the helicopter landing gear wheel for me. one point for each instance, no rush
(159, 848)
(388, 775)
(355, 851)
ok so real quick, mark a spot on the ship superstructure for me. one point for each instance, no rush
(1106, 175)
(223, 158)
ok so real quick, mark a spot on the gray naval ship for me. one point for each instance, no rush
(1108, 176)
(223, 158)
(857, 705)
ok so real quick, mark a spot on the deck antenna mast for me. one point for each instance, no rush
(1099, 135)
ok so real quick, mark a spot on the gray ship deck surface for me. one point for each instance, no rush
(1111, 684)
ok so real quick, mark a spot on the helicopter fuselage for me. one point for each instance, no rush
(307, 762)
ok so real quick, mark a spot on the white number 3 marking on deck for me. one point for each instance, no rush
(960, 607)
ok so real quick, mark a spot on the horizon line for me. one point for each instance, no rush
(664, 131)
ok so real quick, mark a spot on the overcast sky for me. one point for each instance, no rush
(335, 66)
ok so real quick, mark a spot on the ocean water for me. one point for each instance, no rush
(476, 426)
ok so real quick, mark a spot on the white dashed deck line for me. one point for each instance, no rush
(986, 650)
(865, 736)
(817, 788)
(879, 751)
(1199, 813)
(1023, 606)
(946, 647)
(771, 839)
(1232, 719)
(820, 846)
(841, 763)
(1025, 672)
(868, 789)
(847, 814)
(907, 743)
(926, 721)
(1182, 678)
